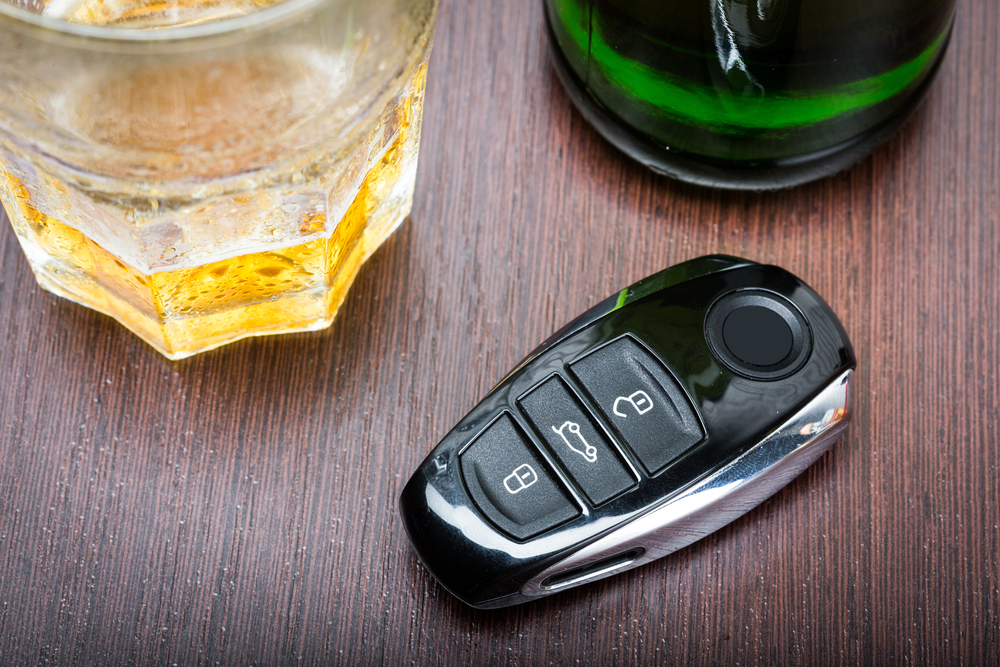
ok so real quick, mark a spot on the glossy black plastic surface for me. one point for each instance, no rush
(665, 316)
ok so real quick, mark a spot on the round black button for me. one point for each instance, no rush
(758, 334)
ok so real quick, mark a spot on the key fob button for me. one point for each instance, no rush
(510, 484)
(642, 401)
(758, 334)
(576, 441)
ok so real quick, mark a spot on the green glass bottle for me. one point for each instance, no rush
(748, 94)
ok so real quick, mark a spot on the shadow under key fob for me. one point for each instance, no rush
(653, 419)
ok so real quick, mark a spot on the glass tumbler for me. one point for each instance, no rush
(747, 94)
(207, 170)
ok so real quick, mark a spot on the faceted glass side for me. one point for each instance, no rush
(279, 288)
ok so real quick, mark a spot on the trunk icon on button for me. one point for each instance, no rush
(640, 401)
(588, 452)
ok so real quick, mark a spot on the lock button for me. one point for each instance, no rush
(510, 484)
(642, 401)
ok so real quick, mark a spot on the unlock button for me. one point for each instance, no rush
(641, 399)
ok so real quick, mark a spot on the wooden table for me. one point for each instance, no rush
(239, 507)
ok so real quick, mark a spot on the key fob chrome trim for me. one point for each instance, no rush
(713, 502)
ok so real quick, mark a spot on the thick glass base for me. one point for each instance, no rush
(733, 175)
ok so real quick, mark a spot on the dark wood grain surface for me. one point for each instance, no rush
(239, 507)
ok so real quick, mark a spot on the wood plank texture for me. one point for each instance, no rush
(239, 507)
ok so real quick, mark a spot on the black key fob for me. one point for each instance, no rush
(655, 418)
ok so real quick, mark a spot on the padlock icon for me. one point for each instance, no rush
(522, 477)
(639, 400)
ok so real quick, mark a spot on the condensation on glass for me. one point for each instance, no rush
(204, 171)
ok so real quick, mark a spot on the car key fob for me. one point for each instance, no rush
(653, 419)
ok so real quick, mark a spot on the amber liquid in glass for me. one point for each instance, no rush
(257, 253)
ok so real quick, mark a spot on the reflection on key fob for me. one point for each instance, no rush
(653, 419)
